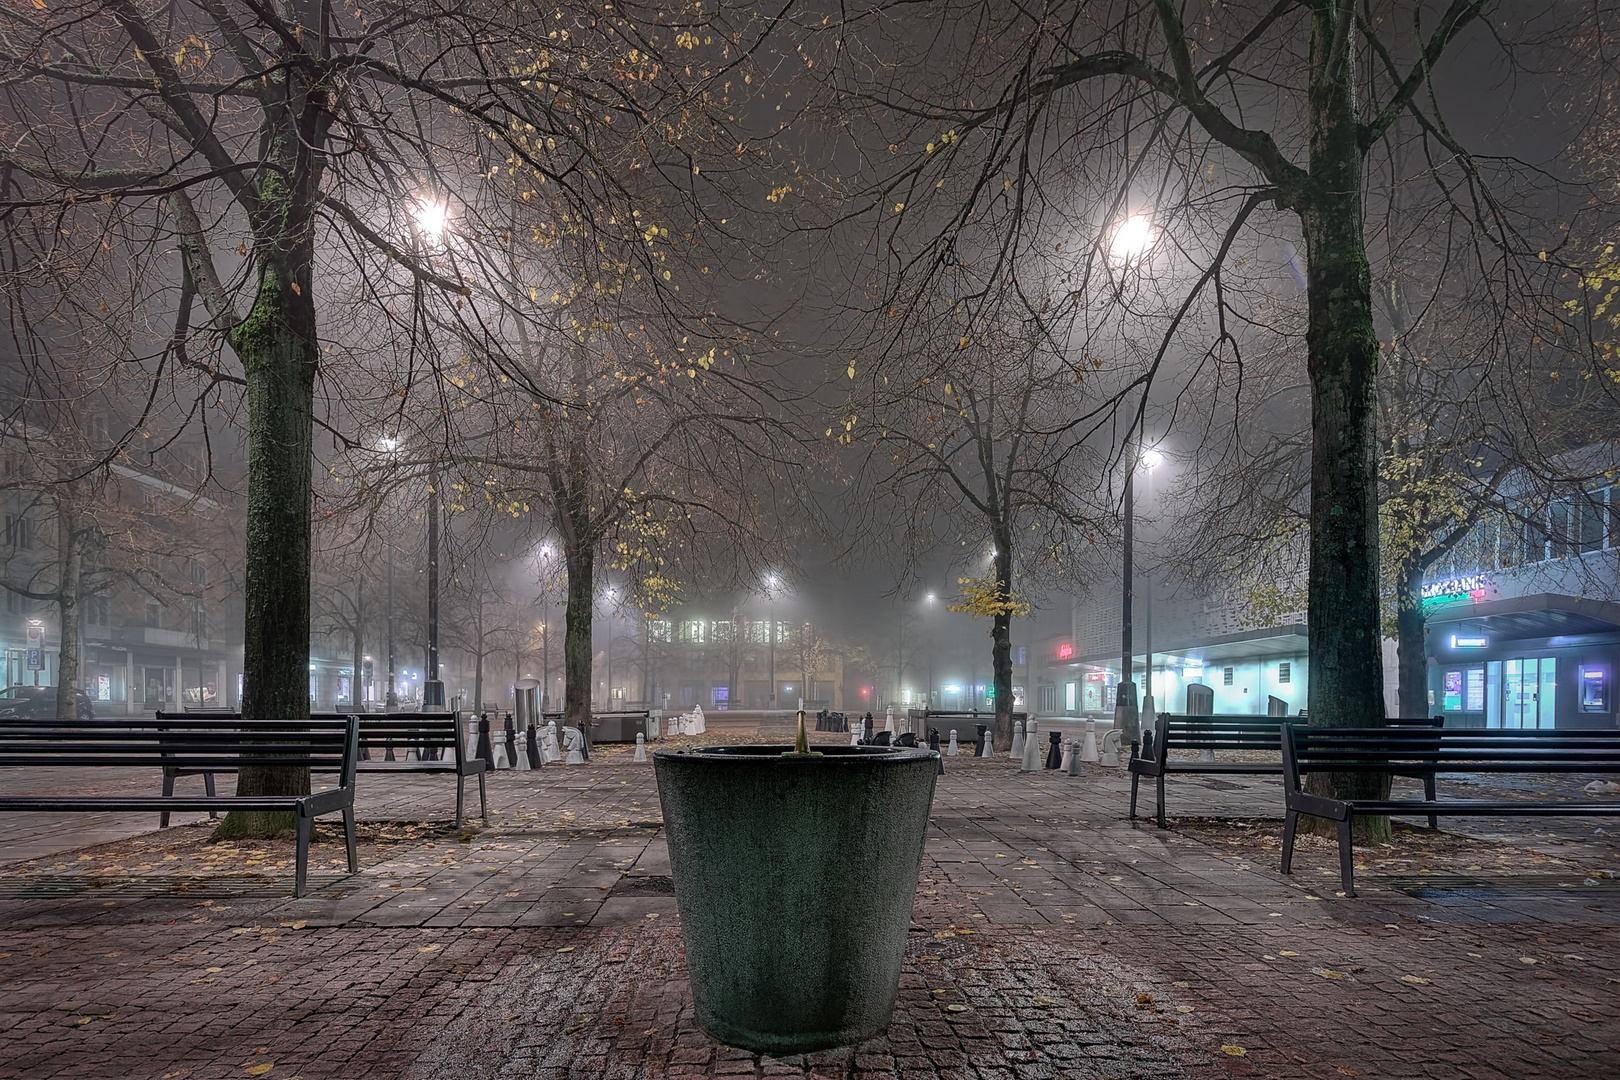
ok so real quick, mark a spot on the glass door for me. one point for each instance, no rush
(1529, 693)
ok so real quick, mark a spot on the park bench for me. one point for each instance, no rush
(1212, 734)
(430, 734)
(211, 743)
(1427, 753)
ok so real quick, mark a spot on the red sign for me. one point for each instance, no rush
(1065, 651)
(1094, 676)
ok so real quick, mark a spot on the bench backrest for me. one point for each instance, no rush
(189, 742)
(381, 731)
(1235, 731)
(1415, 751)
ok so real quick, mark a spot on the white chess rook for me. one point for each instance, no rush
(1032, 747)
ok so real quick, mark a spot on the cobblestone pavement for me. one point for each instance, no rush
(1050, 938)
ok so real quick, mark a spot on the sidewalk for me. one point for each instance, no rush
(1051, 938)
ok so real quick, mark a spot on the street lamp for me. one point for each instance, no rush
(1126, 717)
(933, 647)
(1151, 460)
(771, 581)
(610, 594)
(545, 627)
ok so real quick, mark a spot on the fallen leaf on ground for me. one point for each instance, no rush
(1528, 960)
(1234, 1051)
(426, 948)
(1415, 979)
(260, 1070)
(1326, 974)
(956, 1008)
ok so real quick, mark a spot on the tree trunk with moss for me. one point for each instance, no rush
(1001, 668)
(1346, 646)
(276, 343)
(578, 652)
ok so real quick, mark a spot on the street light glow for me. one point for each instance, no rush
(1133, 238)
(432, 218)
(1152, 459)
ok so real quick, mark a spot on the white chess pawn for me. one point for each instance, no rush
(951, 751)
(522, 763)
(984, 745)
(1068, 755)
(1074, 759)
(1032, 747)
(1088, 751)
(641, 747)
(550, 752)
(1017, 751)
(854, 733)
(888, 724)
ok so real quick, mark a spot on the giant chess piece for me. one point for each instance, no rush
(1032, 747)
(866, 729)
(1109, 758)
(953, 751)
(1066, 763)
(854, 735)
(574, 743)
(888, 724)
(1073, 767)
(1017, 751)
(536, 757)
(551, 749)
(982, 748)
(511, 744)
(1054, 752)
(641, 747)
(485, 750)
(1088, 752)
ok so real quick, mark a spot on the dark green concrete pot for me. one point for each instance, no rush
(795, 878)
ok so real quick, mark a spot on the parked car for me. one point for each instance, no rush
(39, 703)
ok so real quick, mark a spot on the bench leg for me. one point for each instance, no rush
(1134, 778)
(1428, 793)
(461, 787)
(168, 789)
(1347, 857)
(483, 796)
(302, 864)
(1290, 824)
(1161, 800)
(208, 786)
(348, 835)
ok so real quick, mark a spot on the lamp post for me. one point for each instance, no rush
(1151, 460)
(432, 687)
(610, 595)
(391, 702)
(545, 627)
(1131, 241)
(933, 648)
(770, 584)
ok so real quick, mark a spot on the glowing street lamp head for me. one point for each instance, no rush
(1152, 459)
(1132, 239)
(432, 218)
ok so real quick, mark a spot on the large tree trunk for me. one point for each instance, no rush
(1001, 643)
(1411, 629)
(577, 649)
(1346, 668)
(70, 575)
(277, 347)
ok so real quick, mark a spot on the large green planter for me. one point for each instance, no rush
(795, 877)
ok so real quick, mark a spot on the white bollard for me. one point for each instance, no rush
(641, 747)
(1032, 747)
(1109, 758)
(1088, 752)
(1017, 751)
(951, 750)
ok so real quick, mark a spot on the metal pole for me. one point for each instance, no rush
(772, 608)
(545, 651)
(432, 688)
(1149, 704)
(1126, 718)
(391, 702)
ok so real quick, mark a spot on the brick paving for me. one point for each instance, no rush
(1051, 938)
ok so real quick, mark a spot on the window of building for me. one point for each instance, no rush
(19, 532)
(16, 603)
(692, 632)
(1285, 672)
(96, 610)
(1226, 676)
(197, 571)
(199, 620)
(658, 630)
(154, 614)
